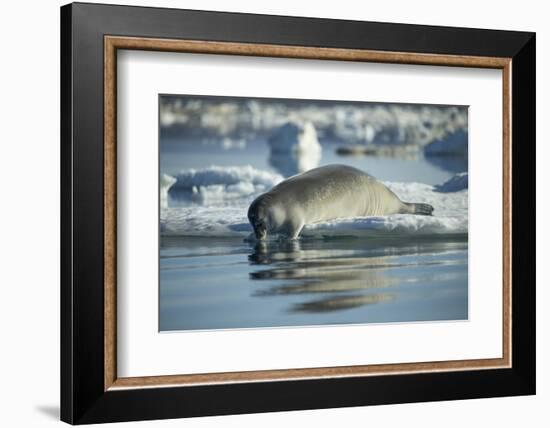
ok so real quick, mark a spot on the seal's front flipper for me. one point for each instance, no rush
(293, 229)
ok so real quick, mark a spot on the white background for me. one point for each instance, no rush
(29, 218)
(144, 352)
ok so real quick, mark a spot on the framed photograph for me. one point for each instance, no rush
(266, 213)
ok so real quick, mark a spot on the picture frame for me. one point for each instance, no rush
(91, 35)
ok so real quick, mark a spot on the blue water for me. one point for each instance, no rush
(226, 283)
(177, 154)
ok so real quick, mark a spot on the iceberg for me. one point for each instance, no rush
(222, 183)
(294, 148)
(456, 183)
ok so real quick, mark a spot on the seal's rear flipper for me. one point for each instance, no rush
(421, 209)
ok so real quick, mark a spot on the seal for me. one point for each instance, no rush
(322, 194)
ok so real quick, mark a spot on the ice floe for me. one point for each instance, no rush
(220, 196)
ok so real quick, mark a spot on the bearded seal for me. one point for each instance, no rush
(322, 194)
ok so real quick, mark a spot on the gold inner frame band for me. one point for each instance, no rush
(113, 43)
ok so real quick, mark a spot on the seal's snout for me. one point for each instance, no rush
(260, 230)
(256, 220)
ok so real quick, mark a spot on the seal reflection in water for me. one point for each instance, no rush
(323, 194)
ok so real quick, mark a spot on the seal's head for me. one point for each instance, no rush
(258, 217)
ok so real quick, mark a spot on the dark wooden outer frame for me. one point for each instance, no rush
(90, 33)
(114, 43)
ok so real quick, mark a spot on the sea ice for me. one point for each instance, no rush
(211, 215)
